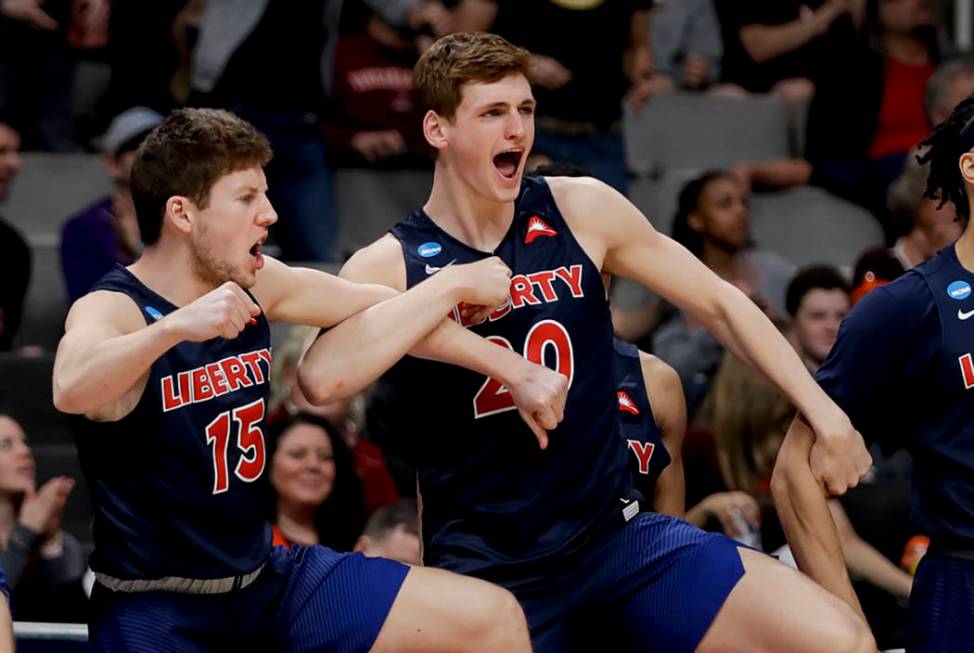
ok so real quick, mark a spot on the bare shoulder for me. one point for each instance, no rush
(382, 262)
(104, 310)
(662, 381)
(579, 196)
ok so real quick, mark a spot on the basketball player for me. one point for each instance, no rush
(902, 367)
(168, 360)
(561, 526)
(652, 420)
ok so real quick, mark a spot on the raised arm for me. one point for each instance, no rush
(613, 230)
(103, 360)
(377, 325)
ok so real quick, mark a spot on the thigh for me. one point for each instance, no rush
(155, 622)
(941, 607)
(335, 602)
(775, 608)
(675, 579)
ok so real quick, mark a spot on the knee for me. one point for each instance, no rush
(500, 625)
(851, 634)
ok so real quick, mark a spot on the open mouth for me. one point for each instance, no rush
(256, 254)
(507, 163)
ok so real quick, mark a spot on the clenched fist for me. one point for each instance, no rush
(540, 395)
(484, 283)
(222, 312)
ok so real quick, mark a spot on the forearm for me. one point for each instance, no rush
(781, 173)
(354, 353)
(96, 376)
(804, 513)
(765, 42)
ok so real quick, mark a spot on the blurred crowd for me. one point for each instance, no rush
(330, 83)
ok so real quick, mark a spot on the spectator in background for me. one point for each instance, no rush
(373, 118)
(950, 83)
(317, 495)
(345, 416)
(781, 46)
(393, 532)
(868, 112)
(713, 222)
(687, 45)
(43, 564)
(591, 57)
(37, 72)
(107, 232)
(15, 262)
(817, 300)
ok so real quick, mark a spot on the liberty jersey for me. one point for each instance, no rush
(178, 484)
(641, 435)
(491, 497)
(902, 368)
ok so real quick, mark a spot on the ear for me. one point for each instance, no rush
(362, 544)
(181, 212)
(110, 165)
(436, 129)
(695, 221)
(967, 167)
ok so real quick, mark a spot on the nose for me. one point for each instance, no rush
(267, 215)
(516, 128)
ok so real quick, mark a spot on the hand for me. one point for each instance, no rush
(432, 13)
(41, 510)
(28, 11)
(486, 283)
(695, 70)
(547, 72)
(729, 508)
(839, 458)
(742, 173)
(540, 395)
(377, 145)
(640, 92)
(224, 311)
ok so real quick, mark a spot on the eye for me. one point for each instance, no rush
(527, 111)
(490, 113)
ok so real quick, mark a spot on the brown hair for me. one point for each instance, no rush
(461, 58)
(747, 417)
(185, 155)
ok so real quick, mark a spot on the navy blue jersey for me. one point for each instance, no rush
(491, 496)
(902, 369)
(177, 485)
(640, 433)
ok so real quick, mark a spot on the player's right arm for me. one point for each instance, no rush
(802, 505)
(103, 359)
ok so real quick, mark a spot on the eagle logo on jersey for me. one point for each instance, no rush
(537, 228)
(626, 403)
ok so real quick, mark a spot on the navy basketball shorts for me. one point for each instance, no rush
(305, 599)
(942, 606)
(655, 584)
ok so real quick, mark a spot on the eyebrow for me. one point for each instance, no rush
(500, 104)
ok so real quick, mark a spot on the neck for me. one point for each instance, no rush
(465, 214)
(719, 259)
(965, 249)
(906, 48)
(297, 522)
(168, 270)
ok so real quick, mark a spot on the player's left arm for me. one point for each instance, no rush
(665, 393)
(618, 236)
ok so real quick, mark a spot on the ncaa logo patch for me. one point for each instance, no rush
(154, 312)
(959, 290)
(429, 250)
